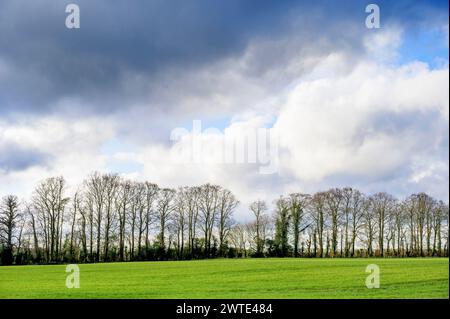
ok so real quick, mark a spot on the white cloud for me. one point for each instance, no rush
(366, 123)
(72, 148)
(339, 119)
(382, 44)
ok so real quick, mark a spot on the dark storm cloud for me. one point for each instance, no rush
(42, 62)
(46, 61)
(16, 158)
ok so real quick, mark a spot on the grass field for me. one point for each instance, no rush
(231, 278)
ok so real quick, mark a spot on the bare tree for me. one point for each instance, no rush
(151, 195)
(10, 217)
(438, 216)
(165, 207)
(140, 203)
(109, 214)
(409, 206)
(49, 203)
(446, 228)
(135, 217)
(208, 206)
(95, 191)
(191, 200)
(83, 224)
(259, 209)
(111, 184)
(282, 221)
(370, 221)
(399, 219)
(357, 201)
(180, 219)
(34, 229)
(333, 201)
(76, 204)
(347, 201)
(227, 203)
(382, 205)
(123, 203)
(318, 214)
(297, 205)
(425, 205)
(238, 236)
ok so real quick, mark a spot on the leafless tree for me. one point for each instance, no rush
(49, 203)
(382, 205)
(333, 203)
(151, 195)
(259, 209)
(110, 218)
(357, 201)
(282, 221)
(122, 204)
(95, 192)
(165, 208)
(208, 206)
(191, 200)
(298, 204)
(75, 211)
(238, 236)
(318, 214)
(111, 184)
(10, 218)
(227, 203)
(180, 218)
(370, 222)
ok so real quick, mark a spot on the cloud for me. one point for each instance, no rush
(15, 158)
(47, 64)
(347, 106)
(371, 124)
(33, 149)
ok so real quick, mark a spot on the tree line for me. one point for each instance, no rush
(110, 218)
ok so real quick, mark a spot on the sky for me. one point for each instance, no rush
(345, 105)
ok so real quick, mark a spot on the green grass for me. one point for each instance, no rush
(232, 278)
